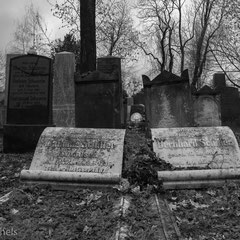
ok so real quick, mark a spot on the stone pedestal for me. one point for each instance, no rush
(63, 90)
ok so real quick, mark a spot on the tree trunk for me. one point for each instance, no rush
(88, 35)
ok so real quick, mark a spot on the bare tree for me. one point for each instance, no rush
(31, 31)
(159, 25)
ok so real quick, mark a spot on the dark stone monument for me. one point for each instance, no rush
(29, 105)
(168, 100)
(230, 100)
(207, 109)
(98, 100)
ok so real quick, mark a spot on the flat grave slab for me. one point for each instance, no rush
(204, 147)
(78, 156)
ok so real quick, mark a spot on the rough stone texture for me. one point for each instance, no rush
(63, 90)
(168, 101)
(207, 108)
(98, 100)
(29, 106)
(92, 153)
(206, 147)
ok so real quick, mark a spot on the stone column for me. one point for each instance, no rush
(63, 90)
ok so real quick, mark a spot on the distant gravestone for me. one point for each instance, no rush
(205, 147)
(29, 105)
(63, 90)
(137, 113)
(168, 100)
(98, 100)
(207, 107)
(77, 156)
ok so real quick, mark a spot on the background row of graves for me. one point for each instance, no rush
(48, 94)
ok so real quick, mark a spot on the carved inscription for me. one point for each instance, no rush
(73, 152)
(29, 80)
(214, 147)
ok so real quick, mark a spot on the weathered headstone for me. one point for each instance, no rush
(112, 65)
(63, 90)
(77, 156)
(29, 106)
(204, 147)
(98, 100)
(168, 100)
(207, 107)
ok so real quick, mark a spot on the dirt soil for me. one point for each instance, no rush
(41, 213)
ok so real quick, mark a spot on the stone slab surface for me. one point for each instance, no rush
(213, 147)
(89, 152)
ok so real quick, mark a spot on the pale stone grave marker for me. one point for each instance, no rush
(77, 156)
(205, 147)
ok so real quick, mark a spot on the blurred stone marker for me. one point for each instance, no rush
(77, 156)
(137, 113)
(207, 107)
(204, 147)
(29, 105)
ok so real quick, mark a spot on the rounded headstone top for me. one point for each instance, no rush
(136, 117)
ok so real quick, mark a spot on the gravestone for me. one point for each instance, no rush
(63, 90)
(7, 71)
(168, 100)
(29, 105)
(98, 100)
(77, 156)
(112, 65)
(137, 113)
(204, 147)
(207, 107)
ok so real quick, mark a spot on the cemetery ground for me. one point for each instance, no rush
(34, 212)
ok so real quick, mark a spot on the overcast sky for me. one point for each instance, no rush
(11, 10)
